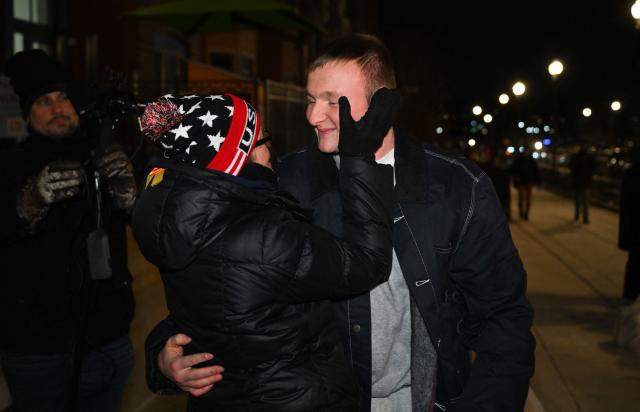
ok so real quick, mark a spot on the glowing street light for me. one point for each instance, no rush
(471, 142)
(586, 112)
(555, 68)
(487, 118)
(504, 98)
(518, 88)
(616, 105)
(538, 145)
(635, 12)
(477, 110)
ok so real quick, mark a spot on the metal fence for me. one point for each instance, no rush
(285, 107)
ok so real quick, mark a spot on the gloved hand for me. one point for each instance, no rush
(364, 137)
(57, 181)
(115, 167)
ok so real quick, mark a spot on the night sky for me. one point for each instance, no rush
(462, 53)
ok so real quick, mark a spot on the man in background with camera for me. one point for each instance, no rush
(66, 300)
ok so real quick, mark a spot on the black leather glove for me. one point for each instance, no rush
(364, 137)
(57, 181)
(114, 166)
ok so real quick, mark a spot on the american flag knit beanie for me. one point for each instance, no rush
(210, 131)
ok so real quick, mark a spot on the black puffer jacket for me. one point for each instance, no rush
(245, 276)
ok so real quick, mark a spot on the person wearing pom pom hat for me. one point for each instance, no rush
(65, 343)
(246, 275)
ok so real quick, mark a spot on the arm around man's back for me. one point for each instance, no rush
(169, 371)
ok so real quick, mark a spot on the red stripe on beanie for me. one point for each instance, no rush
(229, 148)
(239, 165)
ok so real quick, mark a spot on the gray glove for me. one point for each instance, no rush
(57, 181)
(364, 137)
(115, 167)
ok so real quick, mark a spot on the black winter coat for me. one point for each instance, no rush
(525, 171)
(582, 166)
(245, 276)
(463, 272)
(629, 233)
(48, 303)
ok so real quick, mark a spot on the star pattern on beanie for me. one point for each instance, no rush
(215, 141)
(208, 118)
(181, 131)
(215, 131)
(194, 107)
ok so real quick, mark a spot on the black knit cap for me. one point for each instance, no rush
(33, 73)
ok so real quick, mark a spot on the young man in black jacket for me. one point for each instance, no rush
(65, 343)
(457, 285)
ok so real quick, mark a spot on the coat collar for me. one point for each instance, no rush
(324, 174)
(409, 168)
(411, 174)
(233, 187)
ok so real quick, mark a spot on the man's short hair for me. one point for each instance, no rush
(366, 51)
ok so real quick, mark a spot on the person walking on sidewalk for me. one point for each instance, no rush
(629, 233)
(582, 165)
(525, 174)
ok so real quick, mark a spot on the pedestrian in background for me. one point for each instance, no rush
(526, 174)
(582, 166)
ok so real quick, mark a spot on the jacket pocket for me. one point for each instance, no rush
(443, 250)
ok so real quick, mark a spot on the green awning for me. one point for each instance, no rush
(205, 16)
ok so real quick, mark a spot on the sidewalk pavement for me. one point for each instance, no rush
(575, 281)
(575, 276)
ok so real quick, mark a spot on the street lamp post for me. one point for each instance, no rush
(555, 69)
(518, 89)
(615, 108)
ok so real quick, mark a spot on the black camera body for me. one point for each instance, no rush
(108, 99)
(102, 106)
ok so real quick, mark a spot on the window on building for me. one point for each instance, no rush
(18, 42)
(246, 66)
(32, 25)
(33, 11)
(169, 69)
(22, 10)
(40, 11)
(42, 46)
(223, 60)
